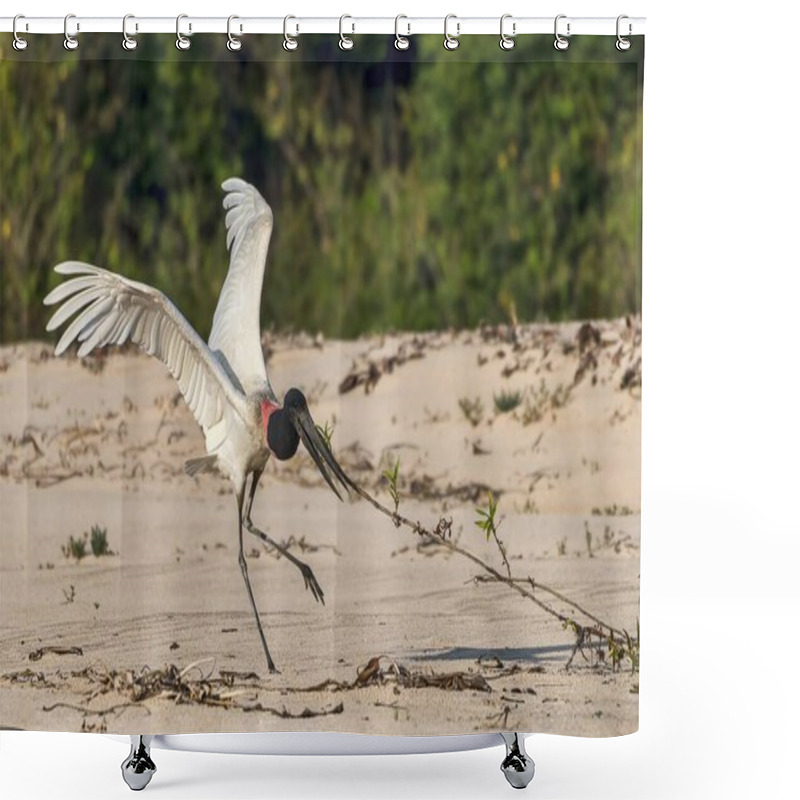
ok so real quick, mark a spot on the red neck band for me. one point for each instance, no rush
(267, 409)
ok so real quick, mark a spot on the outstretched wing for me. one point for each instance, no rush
(110, 309)
(236, 332)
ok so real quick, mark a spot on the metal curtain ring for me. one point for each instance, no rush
(289, 43)
(70, 42)
(561, 43)
(19, 43)
(128, 42)
(401, 42)
(451, 42)
(623, 44)
(234, 44)
(345, 42)
(182, 42)
(507, 42)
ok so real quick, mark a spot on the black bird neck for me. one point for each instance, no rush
(282, 437)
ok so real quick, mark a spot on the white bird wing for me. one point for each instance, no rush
(236, 331)
(111, 309)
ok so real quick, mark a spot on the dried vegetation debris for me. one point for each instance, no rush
(382, 359)
(273, 342)
(36, 655)
(51, 454)
(383, 670)
(613, 344)
(618, 344)
(240, 691)
(230, 690)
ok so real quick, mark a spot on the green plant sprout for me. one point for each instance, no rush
(391, 477)
(487, 524)
(326, 433)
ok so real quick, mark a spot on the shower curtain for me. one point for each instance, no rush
(391, 489)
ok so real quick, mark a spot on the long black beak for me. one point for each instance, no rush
(316, 446)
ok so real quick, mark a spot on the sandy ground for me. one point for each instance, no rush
(158, 637)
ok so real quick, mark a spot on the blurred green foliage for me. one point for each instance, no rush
(410, 190)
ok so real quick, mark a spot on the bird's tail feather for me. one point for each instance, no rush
(203, 464)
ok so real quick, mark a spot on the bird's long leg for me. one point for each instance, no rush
(308, 575)
(243, 565)
(305, 570)
(256, 478)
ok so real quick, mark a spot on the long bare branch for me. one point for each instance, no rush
(600, 629)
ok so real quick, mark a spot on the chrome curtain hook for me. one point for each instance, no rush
(507, 42)
(451, 42)
(19, 43)
(70, 42)
(401, 42)
(182, 42)
(289, 43)
(345, 42)
(561, 43)
(234, 44)
(623, 44)
(128, 42)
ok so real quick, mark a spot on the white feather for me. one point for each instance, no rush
(110, 309)
(236, 330)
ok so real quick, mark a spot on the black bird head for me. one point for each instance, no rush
(290, 425)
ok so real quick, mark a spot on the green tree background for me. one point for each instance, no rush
(413, 190)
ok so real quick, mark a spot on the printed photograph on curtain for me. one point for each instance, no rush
(320, 386)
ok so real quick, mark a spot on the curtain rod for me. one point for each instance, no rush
(349, 25)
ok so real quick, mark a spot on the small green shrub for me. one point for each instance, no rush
(473, 410)
(99, 542)
(507, 401)
(75, 548)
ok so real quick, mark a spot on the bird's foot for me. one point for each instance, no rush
(311, 582)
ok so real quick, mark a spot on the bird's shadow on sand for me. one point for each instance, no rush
(534, 655)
